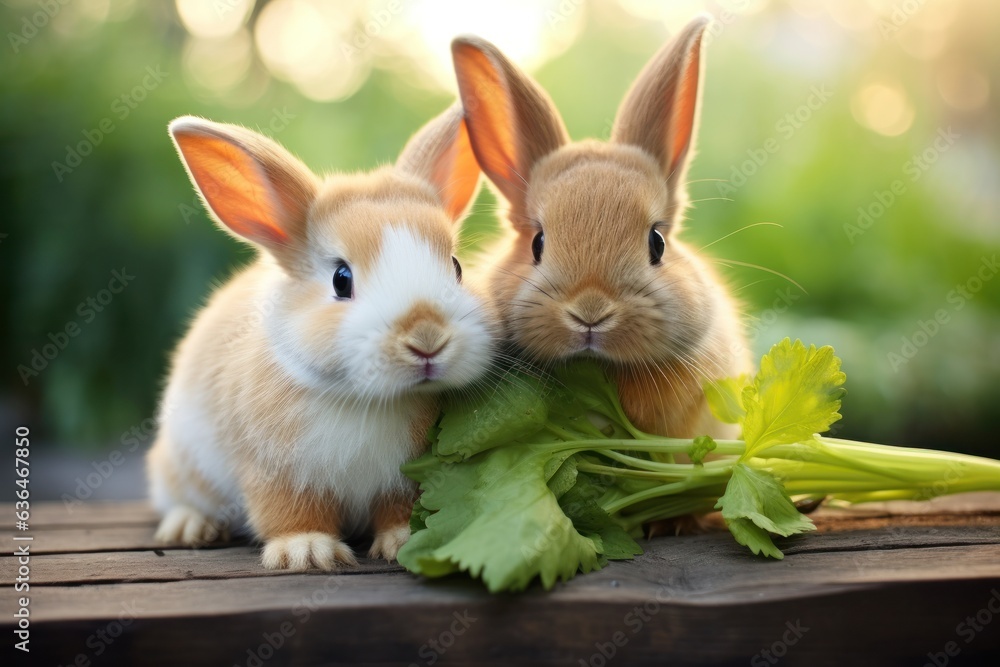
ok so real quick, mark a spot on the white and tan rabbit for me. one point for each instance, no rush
(594, 266)
(311, 375)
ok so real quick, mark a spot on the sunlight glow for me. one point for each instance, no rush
(213, 18)
(529, 32)
(883, 108)
(305, 42)
(218, 65)
(963, 86)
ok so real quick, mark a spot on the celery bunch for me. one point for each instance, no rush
(547, 478)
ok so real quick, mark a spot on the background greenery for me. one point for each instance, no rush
(896, 79)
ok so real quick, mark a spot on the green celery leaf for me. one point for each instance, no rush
(419, 517)
(795, 395)
(754, 537)
(585, 383)
(513, 409)
(495, 517)
(582, 386)
(757, 496)
(581, 505)
(703, 444)
(564, 478)
(725, 399)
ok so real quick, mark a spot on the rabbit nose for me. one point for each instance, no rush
(590, 309)
(422, 351)
(590, 322)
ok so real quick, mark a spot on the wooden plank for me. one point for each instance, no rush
(700, 599)
(100, 533)
(673, 605)
(697, 569)
(163, 565)
(978, 502)
(46, 515)
(549, 631)
(98, 539)
(102, 513)
(243, 561)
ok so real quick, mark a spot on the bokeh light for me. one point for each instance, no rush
(218, 18)
(883, 108)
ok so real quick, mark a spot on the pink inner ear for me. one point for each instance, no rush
(491, 118)
(234, 186)
(457, 174)
(685, 105)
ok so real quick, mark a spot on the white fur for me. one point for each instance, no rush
(359, 415)
(407, 272)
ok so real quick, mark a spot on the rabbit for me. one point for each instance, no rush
(311, 375)
(594, 266)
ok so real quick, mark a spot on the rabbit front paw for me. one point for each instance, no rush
(388, 542)
(188, 526)
(302, 551)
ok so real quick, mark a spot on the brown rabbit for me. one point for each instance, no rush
(311, 375)
(595, 266)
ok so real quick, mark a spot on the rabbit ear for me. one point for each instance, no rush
(441, 154)
(512, 122)
(255, 188)
(660, 112)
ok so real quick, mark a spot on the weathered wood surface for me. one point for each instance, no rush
(888, 584)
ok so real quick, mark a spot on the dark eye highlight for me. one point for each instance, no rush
(458, 268)
(343, 281)
(656, 246)
(537, 245)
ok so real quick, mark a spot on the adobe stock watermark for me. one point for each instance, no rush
(899, 15)
(967, 630)
(784, 129)
(778, 649)
(784, 299)
(363, 36)
(435, 647)
(562, 12)
(101, 640)
(957, 298)
(223, 7)
(913, 169)
(302, 611)
(719, 22)
(59, 340)
(634, 622)
(31, 25)
(131, 440)
(121, 108)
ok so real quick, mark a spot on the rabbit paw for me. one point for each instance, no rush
(188, 526)
(304, 550)
(388, 542)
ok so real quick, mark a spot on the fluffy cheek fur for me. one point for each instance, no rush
(407, 297)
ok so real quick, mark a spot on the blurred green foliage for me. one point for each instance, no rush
(128, 204)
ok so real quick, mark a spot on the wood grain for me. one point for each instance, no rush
(163, 565)
(97, 513)
(877, 585)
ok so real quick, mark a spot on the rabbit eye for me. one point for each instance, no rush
(537, 245)
(656, 246)
(343, 281)
(458, 268)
